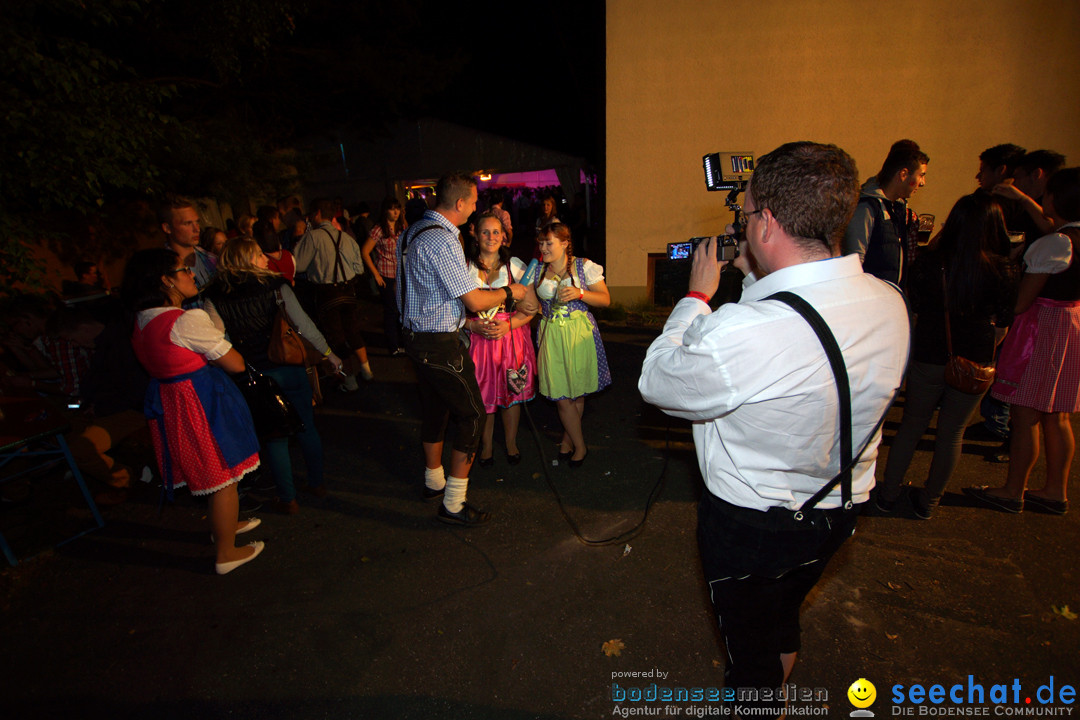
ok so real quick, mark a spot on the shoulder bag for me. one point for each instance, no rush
(962, 374)
(274, 415)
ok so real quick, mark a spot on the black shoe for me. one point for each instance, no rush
(1046, 505)
(981, 433)
(980, 494)
(883, 506)
(467, 516)
(999, 454)
(249, 504)
(432, 493)
(513, 459)
(920, 505)
(578, 463)
(486, 462)
(564, 456)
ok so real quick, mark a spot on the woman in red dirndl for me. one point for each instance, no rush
(202, 430)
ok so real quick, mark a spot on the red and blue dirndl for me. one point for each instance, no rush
(201, 427)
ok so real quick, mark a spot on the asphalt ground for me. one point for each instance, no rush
(364, 606)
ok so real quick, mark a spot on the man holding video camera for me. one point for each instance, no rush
(757, 383)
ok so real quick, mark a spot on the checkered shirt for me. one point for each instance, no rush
(433, 275)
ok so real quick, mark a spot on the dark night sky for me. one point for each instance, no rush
(538, 77)
(533, 72)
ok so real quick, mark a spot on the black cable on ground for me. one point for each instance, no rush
(622, 537)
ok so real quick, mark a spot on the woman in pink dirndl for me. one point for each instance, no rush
(1038, 372)
(500, 345)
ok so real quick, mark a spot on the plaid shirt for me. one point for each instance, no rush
(385, 252)
(433, 277)
(68, 359)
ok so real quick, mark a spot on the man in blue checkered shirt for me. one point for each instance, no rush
(434, 290)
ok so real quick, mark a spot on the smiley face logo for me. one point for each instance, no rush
(862, 693)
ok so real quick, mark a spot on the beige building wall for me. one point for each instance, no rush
(688, 77)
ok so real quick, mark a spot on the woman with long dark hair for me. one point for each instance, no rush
(383, 240)
(278, 259)
(1039, 368)
(202, 430)
(979, 288)
(244, 298)
(571, 361)
(500, 341)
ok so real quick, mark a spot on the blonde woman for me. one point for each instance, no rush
(243, 301)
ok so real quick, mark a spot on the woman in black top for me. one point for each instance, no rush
(243, 301)
(981, 288)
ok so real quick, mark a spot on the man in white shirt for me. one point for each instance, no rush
(756, 381)
(331, 258)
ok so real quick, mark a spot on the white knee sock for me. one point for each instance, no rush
(435, 479)
(454, 499)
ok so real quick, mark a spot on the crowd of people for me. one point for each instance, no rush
(994, 287)
(845, 300)
(1002, 258)
(152, 362)
(788, 387)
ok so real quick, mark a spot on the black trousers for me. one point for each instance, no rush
(759, 567)
(391, 316)
(448, 388)
(339, 317)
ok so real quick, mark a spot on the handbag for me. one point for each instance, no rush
(287, 346)
(516, 377)
(274, 415)
(962, 374)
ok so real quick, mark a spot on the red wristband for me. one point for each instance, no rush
(699, 296)
(582, 295)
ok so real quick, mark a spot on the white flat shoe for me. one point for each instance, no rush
(227, 567)
(252, 523)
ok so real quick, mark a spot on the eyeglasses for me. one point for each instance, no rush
(754, 212)
(188, 270)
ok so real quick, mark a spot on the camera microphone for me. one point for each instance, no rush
(530, 271)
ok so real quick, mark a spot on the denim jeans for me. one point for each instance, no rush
(925, 391)
(275, 453)
(995, 416)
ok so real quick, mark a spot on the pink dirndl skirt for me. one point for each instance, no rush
(1039, 366)
(494, 357)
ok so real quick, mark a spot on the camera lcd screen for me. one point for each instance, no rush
(680, 251)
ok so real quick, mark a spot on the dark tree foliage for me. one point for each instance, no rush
(105, 104)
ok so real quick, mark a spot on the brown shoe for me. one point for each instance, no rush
(286, 508)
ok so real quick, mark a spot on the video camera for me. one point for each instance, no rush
(728, 171)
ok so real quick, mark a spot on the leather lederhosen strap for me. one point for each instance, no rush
(843, 388)
(406, 240)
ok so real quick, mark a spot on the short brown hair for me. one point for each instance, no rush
(903, 155)
(453, 187)
(170, 203)
(811, 189)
